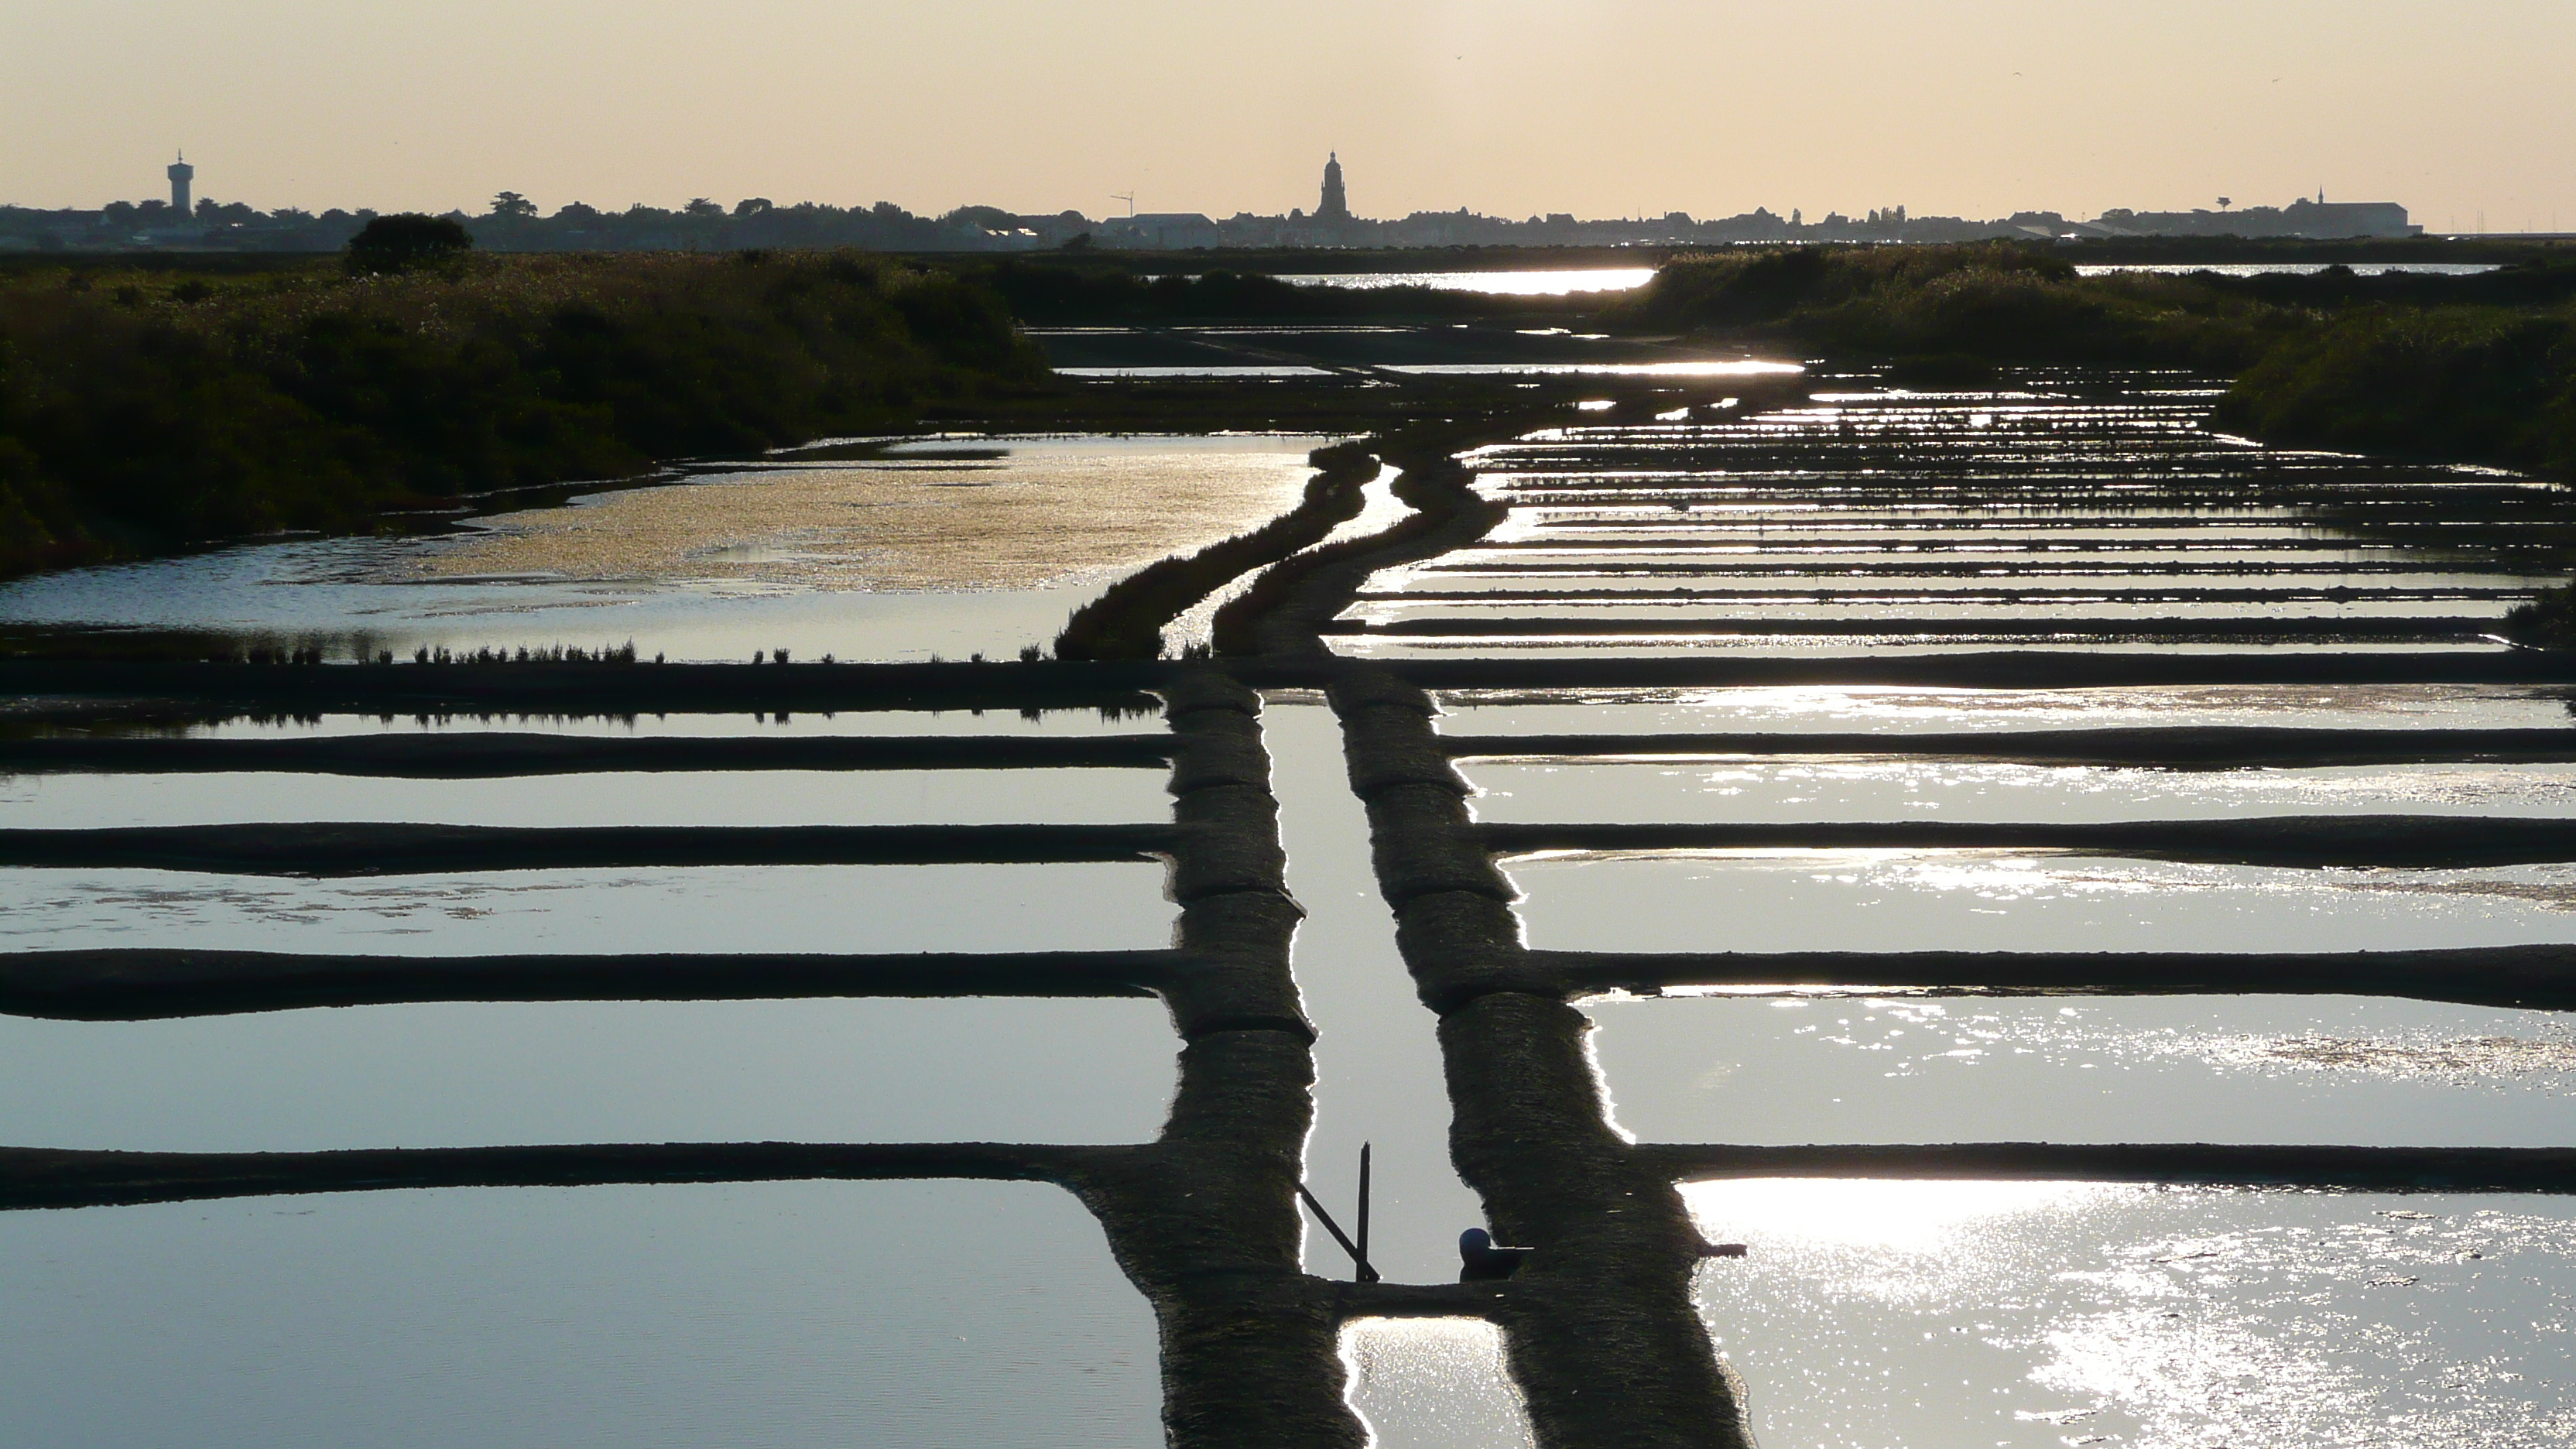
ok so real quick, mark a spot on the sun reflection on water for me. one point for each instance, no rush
(1946, 1315)
(1899, 1215)
(1433, 1383)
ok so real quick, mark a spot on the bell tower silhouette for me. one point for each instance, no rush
(1335, 207)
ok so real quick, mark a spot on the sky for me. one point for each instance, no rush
(1507, 107)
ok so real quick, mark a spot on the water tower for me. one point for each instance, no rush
(181, 173)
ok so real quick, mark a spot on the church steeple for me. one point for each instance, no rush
(1335, 207)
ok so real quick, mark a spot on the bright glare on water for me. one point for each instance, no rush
(1965, 1315)
(1497, 284)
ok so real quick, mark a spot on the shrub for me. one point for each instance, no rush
(407, 242)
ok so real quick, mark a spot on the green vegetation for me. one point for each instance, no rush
(145, 410)
(2486, 384)
(409, 242)
(2478, 368)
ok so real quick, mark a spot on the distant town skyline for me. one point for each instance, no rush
(1507, 107)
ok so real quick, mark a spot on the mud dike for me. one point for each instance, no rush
(1893, 542)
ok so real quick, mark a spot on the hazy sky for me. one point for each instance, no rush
(1604, 108)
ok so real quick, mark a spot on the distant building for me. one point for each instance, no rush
(2323, 218)
(2318, 220)
(181, 173)
(1162, 231)
(1336, 207)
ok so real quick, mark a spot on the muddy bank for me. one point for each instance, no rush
(38, 1177)
(137, 985)
(1127, 621)
(1599, 1327)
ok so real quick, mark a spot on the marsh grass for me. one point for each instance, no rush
(144, 411)
(2446, 368)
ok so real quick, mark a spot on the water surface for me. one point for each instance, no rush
(2331, 1070)
(784, 1315)
(1964, 1315)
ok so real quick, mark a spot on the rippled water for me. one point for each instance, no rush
(829, 908)
(1873, 900)
(1861, 788)
(1434, 1383)
(1961, 1315)
(1900, 710)
(2352, 1071)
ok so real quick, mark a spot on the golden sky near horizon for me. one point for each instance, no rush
(1510, 107)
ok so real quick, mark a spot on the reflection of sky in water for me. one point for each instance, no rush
(2325, 1069)
(1866, 900)
(783, 1315)
(1810, 709)
(750, 797)
(1547, 283)
(1860, 789)
(859, 908)
(1433, 1383)
(885, 560)
(1378, 1071)
(1965, 1315)
(473, 1074)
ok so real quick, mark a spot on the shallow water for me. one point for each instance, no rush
(746, 797)
(1962, 1315)
(1822, 788)
(1529, 283)
(1434, 1383)
(1899, 710)
(2337, 1070)
(1377, 1064)
(910, 1315)
(1859, 900)
(947, 548)
(858, 908)
(475, 1074)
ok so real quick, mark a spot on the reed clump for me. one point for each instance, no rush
(555, 654)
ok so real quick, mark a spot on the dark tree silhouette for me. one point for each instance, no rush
(407, 242)
(511, 203)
